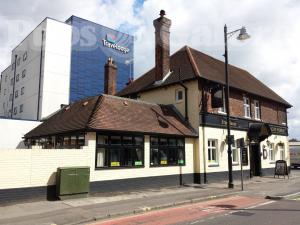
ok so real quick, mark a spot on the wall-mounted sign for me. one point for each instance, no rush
(110, 41)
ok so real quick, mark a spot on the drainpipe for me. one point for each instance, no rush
(203, 112)
(185, 96)
(13, 96)
(40, 78)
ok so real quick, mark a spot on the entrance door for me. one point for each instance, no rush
(255, 160)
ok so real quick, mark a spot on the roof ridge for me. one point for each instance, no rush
(130, 99)
(99, 100)
(192, 60)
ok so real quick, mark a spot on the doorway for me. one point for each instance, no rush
(255, 160)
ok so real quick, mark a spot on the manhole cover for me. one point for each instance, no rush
(242, 213)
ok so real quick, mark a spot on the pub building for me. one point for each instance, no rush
(164, 128)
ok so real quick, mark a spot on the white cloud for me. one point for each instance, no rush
(271, 54)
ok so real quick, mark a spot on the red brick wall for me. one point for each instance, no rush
(271, 112)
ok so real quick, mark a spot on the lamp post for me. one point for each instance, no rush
(242, 36)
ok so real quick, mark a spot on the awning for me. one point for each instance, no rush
(258, 132)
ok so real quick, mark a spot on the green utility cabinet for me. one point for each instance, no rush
(72, 182)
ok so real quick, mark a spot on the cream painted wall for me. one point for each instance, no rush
(166, 95)
(220, 134)
(37, 167)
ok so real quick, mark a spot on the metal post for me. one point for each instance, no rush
(230, 179)
(241, 161)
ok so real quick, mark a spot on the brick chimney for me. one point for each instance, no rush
(110, 79)
(162, 46)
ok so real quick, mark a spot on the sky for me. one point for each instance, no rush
(271, 54)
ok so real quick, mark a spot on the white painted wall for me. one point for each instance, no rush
(12, 131)
(37, 167)
(55, 71)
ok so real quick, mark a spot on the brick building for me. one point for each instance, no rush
(188, 81)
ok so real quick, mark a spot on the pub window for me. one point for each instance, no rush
(24, 56)
(18, 61)
(115, 151)
(22, 90)
(247, 107)
(17, 77)
(256, 110)
(178, 95)
(235, 153)
(281, 152)
(271, 153)
(167, 151)
(23, 73)
(16, 93)
(212, 151)
(223, 108)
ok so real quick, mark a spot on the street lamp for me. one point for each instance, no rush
(242, 36)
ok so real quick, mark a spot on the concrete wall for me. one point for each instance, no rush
(37, 167)
(12, 131)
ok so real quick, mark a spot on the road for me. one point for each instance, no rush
(250, 208)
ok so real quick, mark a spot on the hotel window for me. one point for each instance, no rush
(167, 151)
(115, 151)
(271, 153)
(22, 90)
(15, 110)
(235, 153)
(23, 73)
(17, 77)
(212, 151)
(16, 93)
(21, 108)
(256, 110)
(247, 107)
(24, 56)
(281, 151)
(223, 109)
(178, 95)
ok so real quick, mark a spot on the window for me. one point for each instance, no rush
(223, 109)
(15, 110)
(119, 151)
(281, 151)
(16, 93)
(256, 110)
(235, 153)
(22, 90)
(247, 107)
(167, 151)
(17, 77)
(212, 151)
(24, 56)
(23, 73)
(72, 141)
(12, 67)
(18, 61)
(21, 108)
(12, 81)
(178, 95)
(271, 153)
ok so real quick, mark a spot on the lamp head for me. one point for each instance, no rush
(243, 34)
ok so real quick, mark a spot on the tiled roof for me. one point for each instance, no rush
(193, 65)
(110, 113)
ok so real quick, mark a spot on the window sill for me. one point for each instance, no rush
(257, 119)
(223, 113)
(213, 165)
(235, 163)
(272, 162)
(178, 101)
(247, 117)
(119, 167)
(153, 166)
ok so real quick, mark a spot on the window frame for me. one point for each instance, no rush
(177, 91)
(257, 112)
(247, 107)
(234, 148)
(272, 157)
(21, 108)
(166, 149)
(222, 110)
(210, 147)
(126, 151)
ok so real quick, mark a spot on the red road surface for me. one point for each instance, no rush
(186, 213)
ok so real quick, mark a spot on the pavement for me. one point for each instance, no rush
(98, 208)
